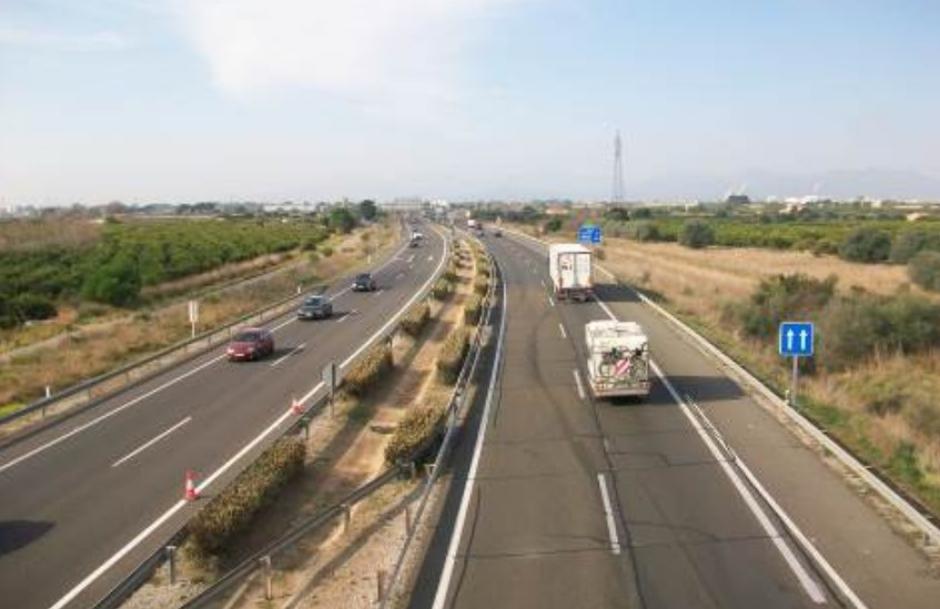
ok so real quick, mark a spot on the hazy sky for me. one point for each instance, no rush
(182, 100)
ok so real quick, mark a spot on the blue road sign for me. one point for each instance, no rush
(588, 233)
(796, 338)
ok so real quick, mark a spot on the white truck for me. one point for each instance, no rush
(618, 358)
(569, 266)
(472, 224)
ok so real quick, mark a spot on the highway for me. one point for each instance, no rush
(85, 500)
(565, 501)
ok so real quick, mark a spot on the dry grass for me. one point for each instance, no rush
(127, 339)
(876, 408)
(24, 235)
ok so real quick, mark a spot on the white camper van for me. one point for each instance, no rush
(618, 361)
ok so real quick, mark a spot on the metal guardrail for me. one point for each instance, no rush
(117, 595)
(181, 349)
(453, 411)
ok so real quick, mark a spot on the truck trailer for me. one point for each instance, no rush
(618, 359)
(569, 266)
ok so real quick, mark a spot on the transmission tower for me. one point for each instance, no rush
(617, 190)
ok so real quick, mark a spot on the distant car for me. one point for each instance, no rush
(497, 232)
(251, 344)
(315, 307)
(363, 283)
(414, 242)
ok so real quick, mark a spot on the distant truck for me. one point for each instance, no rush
(569, 266)
(472, 224)
(618, 358)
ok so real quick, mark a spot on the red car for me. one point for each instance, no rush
(251, 344)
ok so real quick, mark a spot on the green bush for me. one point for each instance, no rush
(117, 283)
(450, 274)
(481, 285)
(553, 225)
(31, 307)
(450, 359)
(472, 309)
(924, 270)
(327, 251)
(855, 327)
(232, 511)
(415, 320)
(696, 234)
(644, 231)
(908, 243)
(866, 244)
(369, 369)
(415, 432)
(442, 289)
(781, 298)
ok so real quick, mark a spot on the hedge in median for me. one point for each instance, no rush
(450, 359)
(481, 285)
(415, 320)
(233, 510)
(369, 369)
(415, 432)
(442, 288)
(471, 309)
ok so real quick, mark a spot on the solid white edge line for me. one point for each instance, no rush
(808, 546)
(150, 393)
(550, 301)
(108, 414)
(121, 553)
(443, 585)
(809, 584)
(151, 442)
(609, 515)
(577, 380)
(562, 328)
(411, 301)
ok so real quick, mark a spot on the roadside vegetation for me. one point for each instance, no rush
(876, 376)
(113, 337)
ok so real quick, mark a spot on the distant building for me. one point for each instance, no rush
(738, 199)
(556, 210)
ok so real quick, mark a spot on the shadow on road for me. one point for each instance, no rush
(16, 534)
(701, 389)
(612, 292)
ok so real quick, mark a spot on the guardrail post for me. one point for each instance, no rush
(428, 469)
(380, 585)
(268, 577)
(171, 563)
(347, 517)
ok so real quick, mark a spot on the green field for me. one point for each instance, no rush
(124, 257)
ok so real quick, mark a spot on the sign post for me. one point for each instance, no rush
(193, 315)
(796, 340)
(329, 379)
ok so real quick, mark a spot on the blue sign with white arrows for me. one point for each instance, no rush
(796, 339)
(588, 233)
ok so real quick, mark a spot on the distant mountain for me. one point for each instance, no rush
(843, 184)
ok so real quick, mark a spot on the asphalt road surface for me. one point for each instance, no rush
(576, 502)
(85, 500)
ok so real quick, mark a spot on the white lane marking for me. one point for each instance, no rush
(431, 258)
(551, 301)
(577, 379)
(801, 537)
(411, 258)
(809, 584)
(108, 415)
(136, 541)
(147, 445)
(609, 515)
(394, 318)
(345, 315)
(377, 292)
(400, 275)
(299, 347)
(440, 597)
(562, 329)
